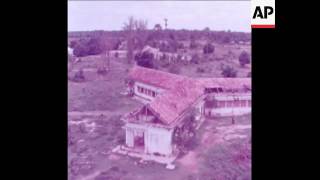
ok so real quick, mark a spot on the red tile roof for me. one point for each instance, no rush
(182, 91)
(225, 83)
(173, 103)
(154, 77)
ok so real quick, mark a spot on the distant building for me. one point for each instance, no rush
(155, 51)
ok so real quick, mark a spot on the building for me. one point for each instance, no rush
(155, 51)
(168, 99)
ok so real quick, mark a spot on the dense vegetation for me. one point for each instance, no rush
(95, 42)
(244, 58)
(180, 35)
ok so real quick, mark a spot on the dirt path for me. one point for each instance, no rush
(190, 161)
(210, 138)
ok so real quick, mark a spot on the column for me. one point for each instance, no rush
(129, 137)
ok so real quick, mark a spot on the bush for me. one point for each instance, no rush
(200, 70)
(244, 58)
(208, 49)
(229, 71)
(145, 59)
(195, 59)
(102, 71)
(193, 45)
(79, 76)
(73, 44)
(85, 47)
(226, 39)
(185, 137)
(173, 46)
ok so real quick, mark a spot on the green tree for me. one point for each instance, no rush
(244, 58)
(208, 49)
(229, 71)
(133, 27)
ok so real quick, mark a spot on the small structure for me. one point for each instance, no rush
(168, 99)
(155, 51)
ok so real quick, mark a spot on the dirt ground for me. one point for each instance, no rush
(94, 110)
(95, 144)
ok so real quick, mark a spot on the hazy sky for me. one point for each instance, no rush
(111, 15)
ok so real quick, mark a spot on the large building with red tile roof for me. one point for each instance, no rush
(169, 98)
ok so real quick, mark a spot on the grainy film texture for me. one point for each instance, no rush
(159, 90)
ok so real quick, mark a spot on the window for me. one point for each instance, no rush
(146, 91)
(139, 89)
(243, 103)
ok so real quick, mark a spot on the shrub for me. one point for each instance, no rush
(244, 58)
(200, 70)
(79, 76)
(229, 71)
(195, 59)
(85, 47)
(145, 59)
(226, 39)
(73, 44)
(185, 137)
(208, 49)
(193, 45)
(102, 70)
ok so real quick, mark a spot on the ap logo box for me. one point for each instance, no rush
(263, 13)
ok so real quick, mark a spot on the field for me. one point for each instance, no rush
(224, 55)
(95, 106)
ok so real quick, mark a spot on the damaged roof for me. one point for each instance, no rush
(154, 77)
(181, 91)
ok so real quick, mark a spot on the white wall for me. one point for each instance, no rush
(222, 97)
(158, 140)
(129, 138)
(153, 88)
(228, 111)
